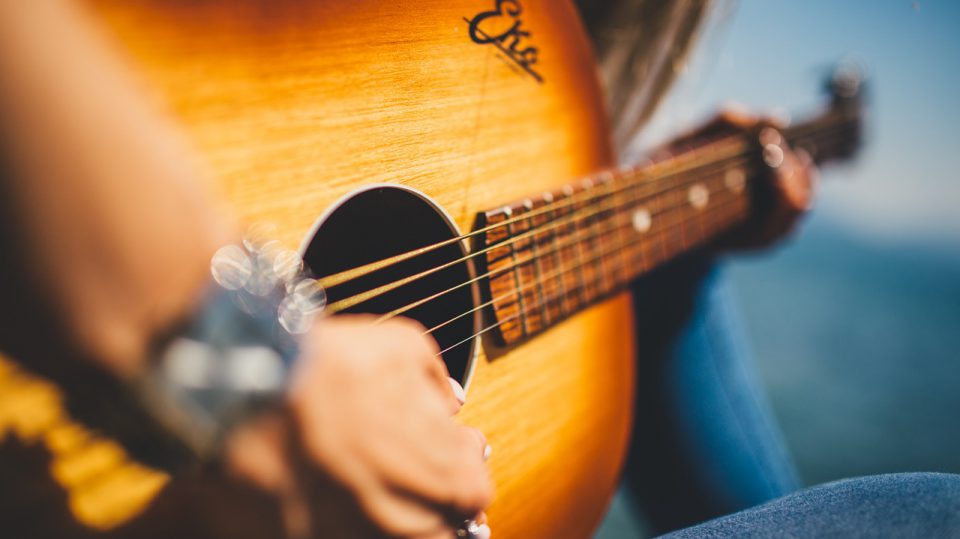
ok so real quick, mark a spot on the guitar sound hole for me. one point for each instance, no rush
(378, 223)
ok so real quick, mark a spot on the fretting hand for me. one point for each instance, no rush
(792, 183)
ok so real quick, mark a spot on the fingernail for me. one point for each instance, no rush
(458, 391)
(473, 530)
(486, 446)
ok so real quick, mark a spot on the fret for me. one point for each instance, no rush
(586, 248)
(735, 183)
(599, 231)
(675, 209)
(724, 204)
(729, 201)
(609, 235)
(621, 198)
(598, 228)
(633, 224)
(572, 276)
(641, 220)
(701, 200)
(562, 266)
(656, 250)
(641, 223)
(503, 281)
(634, 254)
(693, 200)
(721, 200)
(548, 258)
(540, 262)
(531, 292)
(731, 204)
(711, 219)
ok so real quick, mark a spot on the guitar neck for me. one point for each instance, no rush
(550, 256)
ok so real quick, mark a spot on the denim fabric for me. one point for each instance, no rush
(704, 441)
(914, 505)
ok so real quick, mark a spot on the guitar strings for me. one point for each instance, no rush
(833, 120)
(560, 270)
(523, 310)
(538, 256)
(362, 297)
(631, 173)
(578, 215)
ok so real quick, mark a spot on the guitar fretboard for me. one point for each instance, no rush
(552, 255)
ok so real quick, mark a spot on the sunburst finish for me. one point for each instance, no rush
(293, 104)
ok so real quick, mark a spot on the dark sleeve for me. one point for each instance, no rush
(32, 335)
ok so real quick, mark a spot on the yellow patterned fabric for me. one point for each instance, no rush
(105, 487)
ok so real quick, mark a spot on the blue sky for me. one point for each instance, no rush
(773, 54)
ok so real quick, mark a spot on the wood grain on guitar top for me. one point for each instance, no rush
(294, 104)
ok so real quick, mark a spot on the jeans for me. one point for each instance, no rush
(908, 505)
(705, 443)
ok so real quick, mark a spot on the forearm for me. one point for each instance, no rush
(112, 203)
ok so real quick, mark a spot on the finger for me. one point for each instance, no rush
(789, 198)
(439, 534)
(473, 489)
(434, 460)
(736, 115)
(426, 352)
(793, 184)
(257, 451)
(449, 473)
(813, 175)
(459, 393)
(400, 515)
(450, 390)
(474, 529)
(485, 449)
(778, 224)
(730, 119)
(790, 202)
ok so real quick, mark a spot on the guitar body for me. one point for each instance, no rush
(295, 104)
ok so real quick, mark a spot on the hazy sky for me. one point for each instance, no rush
(775, 53)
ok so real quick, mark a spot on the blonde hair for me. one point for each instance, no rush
(641, 46)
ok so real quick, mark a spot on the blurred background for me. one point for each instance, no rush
(854, 323)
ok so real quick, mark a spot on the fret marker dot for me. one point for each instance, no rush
(698, 196)
(735, 180)
(642, 220)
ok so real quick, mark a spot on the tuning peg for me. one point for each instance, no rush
(847, 80)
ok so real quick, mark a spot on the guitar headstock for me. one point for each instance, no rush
(837, 133)
(847, 89)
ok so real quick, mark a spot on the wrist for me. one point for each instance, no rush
(231, 359)
(259, 453)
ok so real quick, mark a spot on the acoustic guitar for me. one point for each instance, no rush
(451, 161)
